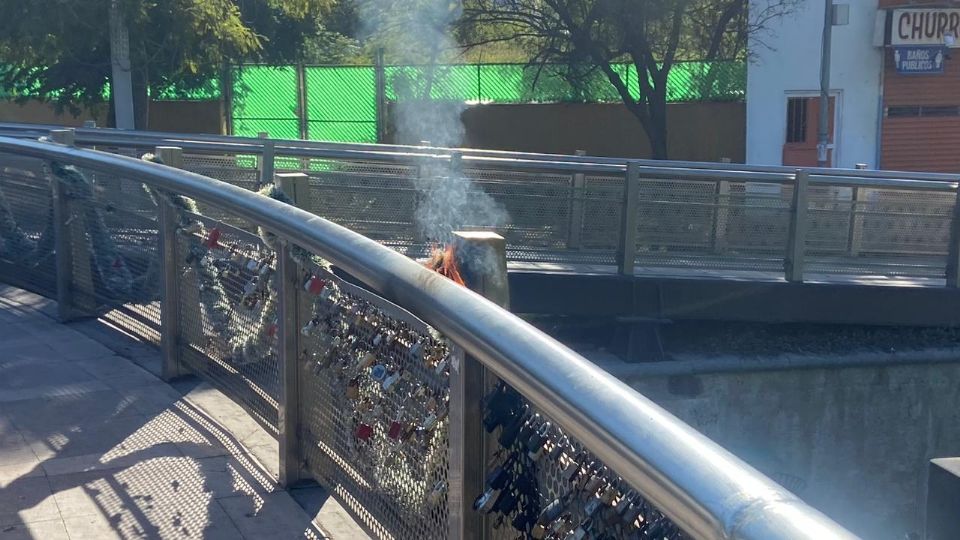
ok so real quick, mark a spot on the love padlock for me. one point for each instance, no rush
(378, 372)
(364, 431)
(213, 238)
(395, 430)
(391, 380)
(314, 285)
(353, 389)
(438, 490)
(253, 265)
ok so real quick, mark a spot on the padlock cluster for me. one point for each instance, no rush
(393, 379)
(542, 484)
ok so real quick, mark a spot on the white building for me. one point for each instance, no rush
(895, 88)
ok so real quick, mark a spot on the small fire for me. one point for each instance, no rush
(444, 262)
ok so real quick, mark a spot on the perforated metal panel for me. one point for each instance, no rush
(228, 315)
(27, 257)
(374, 389)
(593, 498)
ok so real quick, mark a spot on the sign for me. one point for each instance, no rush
(918, 60)
(924, 26)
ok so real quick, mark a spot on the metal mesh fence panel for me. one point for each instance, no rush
(116, 258)
(27, 256)
(227, 320)
(542, 483)
(879, 231)
(374, 387)
(602, 199)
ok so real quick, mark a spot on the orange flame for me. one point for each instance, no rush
(444, 262)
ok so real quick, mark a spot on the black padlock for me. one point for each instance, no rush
(507, 502)
(499, 477)
(511, 429)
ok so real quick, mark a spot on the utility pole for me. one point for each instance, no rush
(121, 83)
(823, 126)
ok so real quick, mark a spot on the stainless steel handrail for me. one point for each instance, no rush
(704, 489)
(483, 158)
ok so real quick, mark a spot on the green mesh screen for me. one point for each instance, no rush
(341, 104)
(265, 99)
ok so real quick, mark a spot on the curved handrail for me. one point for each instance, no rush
(707, 491)
(493, 158)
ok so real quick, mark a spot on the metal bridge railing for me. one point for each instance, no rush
(624, 215)
(369, 368)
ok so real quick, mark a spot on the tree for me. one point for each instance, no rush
(61, 51)
(586, 37)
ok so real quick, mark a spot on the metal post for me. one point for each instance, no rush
(170, 342)
(797, 236)
(302, 112)
(855, 229)
(266, 161)
(295, 186)
(380, 82)
(469, 384)
(721, 213)
(576, 208)
(288, 409)
(62, 236)
(823, 126)
(943, 495)
(627, 252)
(953, 252)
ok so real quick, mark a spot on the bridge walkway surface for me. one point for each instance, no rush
(94, 446)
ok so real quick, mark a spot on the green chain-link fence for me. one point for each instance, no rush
(341, 101)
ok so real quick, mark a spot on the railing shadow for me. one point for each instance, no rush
(177, 473)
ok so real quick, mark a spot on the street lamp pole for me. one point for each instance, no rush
(823, 126)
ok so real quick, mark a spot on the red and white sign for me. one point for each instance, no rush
(925, 27)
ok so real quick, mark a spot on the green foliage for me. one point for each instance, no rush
(61, 51)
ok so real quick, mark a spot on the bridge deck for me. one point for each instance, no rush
(93, 446)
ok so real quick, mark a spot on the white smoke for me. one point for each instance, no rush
(418, 33)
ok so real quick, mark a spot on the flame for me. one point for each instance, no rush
(444, 262)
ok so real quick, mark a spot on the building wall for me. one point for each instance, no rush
(174, 116)
(787, 60)
(927, 142)
(854, 442)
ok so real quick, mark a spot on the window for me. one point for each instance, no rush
(796, 120)
(923, 111)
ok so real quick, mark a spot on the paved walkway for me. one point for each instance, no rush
(94, 446)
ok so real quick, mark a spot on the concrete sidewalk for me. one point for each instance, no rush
(93, 446)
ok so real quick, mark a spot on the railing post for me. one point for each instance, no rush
(295, 186)
(855, 230)
(797, 235)
(953, 251)
(62, 235)
(380, 89)
(302, 109)
(171, 366)
(266, 161)
(483, 260)
(577, 205)
(627, 252)
(721, 215)
(942, 521)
